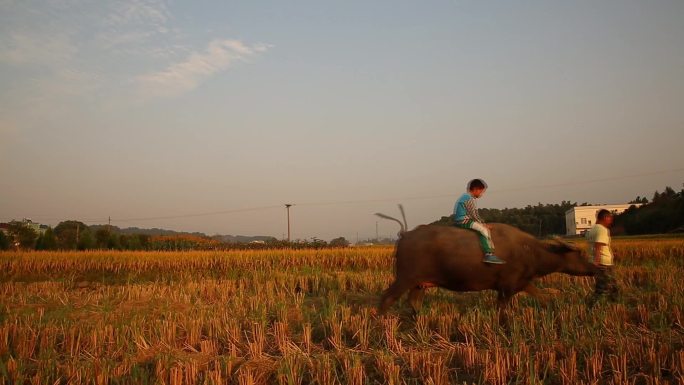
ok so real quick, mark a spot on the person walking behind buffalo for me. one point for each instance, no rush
(467, 217)
(601, 255)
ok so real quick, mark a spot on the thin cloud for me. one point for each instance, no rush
(136, 12)
(188, 74)
(134, 22)
(69, 47)
(40, 50)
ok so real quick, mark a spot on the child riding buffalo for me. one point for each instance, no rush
(466, 217)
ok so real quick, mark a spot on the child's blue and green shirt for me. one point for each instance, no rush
(465, 210)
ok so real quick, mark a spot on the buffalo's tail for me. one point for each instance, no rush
(403, 226)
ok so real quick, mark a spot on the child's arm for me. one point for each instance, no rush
(471, 209)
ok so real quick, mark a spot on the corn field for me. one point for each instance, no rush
(308, 317)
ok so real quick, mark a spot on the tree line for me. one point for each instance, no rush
(540, 220)
(76, 235)
(664, 213)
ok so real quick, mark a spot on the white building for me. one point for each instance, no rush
(579, 219)
(37, 227)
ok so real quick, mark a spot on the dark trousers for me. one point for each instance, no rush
(605, 284)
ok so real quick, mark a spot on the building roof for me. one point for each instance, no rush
(618, 205)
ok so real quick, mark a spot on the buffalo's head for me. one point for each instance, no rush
(573, 260)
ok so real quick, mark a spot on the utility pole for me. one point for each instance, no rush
(377, 234)
(78, 228)
(287, 206)
(540, 223)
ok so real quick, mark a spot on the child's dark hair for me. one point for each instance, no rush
(477, 184)
(602, 214)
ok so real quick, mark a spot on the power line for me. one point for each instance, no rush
(197, 214)
(110, 219)
(590, 181)
(493, 191)
(377, 200)
(61, 219)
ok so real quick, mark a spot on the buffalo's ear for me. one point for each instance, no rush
(568, 246)
(559, 247)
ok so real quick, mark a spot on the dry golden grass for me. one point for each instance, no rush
(308, 316)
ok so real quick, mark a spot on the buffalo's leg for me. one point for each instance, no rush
(537, 294)
(415, 297)
(503, 301)
(396, 289)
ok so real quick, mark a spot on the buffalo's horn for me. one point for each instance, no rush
(392, 219)
(403, 215)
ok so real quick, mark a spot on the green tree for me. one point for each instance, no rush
(47, 241)
(339, 242)
(664, 214)
(144, 240)
(101, 238)
(318, 243)
(130, 242)
(22, 235)
(639, 199)
(86, 240)
(4, 241)
(68, 234)
(114, 242)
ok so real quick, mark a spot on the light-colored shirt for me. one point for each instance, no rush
(465, 210)
(600, 234)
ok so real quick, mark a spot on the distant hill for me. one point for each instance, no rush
(137, 230)
(157, 231)
(242, 238)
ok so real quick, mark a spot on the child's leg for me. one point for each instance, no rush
(485, 236)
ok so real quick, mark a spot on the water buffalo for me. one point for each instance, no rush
(451, 258)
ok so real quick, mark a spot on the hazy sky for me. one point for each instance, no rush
(151, 111)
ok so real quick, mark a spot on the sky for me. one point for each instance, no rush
(209, 116)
